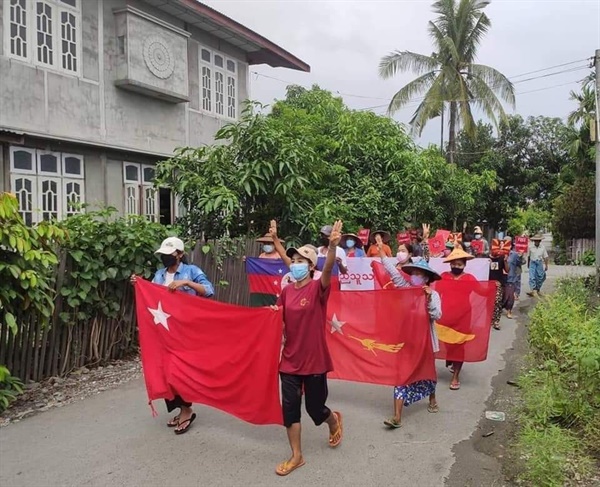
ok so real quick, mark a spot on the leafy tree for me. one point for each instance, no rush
(450, 74)
(581, 122)
(574, 210)
(312, 160)
(528, 157)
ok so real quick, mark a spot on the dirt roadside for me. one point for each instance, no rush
(485, 459)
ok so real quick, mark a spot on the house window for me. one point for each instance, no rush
(48, 185)
(218, 76)
(44, 32)
(141, 197)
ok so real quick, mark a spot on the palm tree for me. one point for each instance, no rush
(582, 124)
(450, 74)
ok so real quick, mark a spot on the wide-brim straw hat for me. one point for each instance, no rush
(385, 236)
(423, 266)
(354, 237)
(458, 254)
(266, 238)
(537, 236)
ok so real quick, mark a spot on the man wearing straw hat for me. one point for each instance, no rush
(537, 261)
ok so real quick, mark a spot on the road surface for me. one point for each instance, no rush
(111, 439)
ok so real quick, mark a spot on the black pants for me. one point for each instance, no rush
(176, 403)
(315, 392)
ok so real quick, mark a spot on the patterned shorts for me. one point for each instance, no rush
(415, 392)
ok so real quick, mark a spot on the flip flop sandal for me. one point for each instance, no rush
(392, 423)
(174, 422)
(187, 423)
(433, 409)
(284, 469)
(339, 432)
(455, 387)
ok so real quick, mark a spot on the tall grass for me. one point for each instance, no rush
(560, 417)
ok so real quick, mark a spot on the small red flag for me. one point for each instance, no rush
(521, 244)
(363, 234)
(464, 328)
(210, 353)
(380, 337)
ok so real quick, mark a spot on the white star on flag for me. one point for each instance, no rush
(336, 325)
(280, 270)
(160, 317)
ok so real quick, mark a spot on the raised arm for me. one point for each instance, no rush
(425, 242)
(278, 247)
(334, 240)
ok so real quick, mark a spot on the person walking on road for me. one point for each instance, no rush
(305, 359)
(178, 275)
(419, 275)
(537, 261)
(458, 261)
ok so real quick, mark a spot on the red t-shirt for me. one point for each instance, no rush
(448, 276)
(305, 316)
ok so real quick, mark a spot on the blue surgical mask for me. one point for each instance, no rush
(299, 271)
(267, 249)
(418, 280)
(350, 244)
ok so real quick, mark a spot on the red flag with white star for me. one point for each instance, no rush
(380, 337)
(211, 353)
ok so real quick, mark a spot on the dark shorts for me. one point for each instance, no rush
(315, 394)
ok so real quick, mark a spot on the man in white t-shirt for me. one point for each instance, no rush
(340, 255)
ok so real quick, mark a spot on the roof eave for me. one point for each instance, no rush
(269, 52)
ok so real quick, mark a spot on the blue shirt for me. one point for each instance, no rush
(514, 264)
(186, 272)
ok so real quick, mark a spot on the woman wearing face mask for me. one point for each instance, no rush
(268, 247)
(305, 360)
(419, 275)
(179, 276)
(353, 245)
(458, 261)
(404, 255)
(482, 249)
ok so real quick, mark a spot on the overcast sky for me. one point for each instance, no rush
(343, 42)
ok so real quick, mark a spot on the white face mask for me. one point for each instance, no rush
(402, 257)
(478, 236)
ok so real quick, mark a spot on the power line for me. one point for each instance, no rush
(515, 76)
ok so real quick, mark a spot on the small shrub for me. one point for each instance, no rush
(10, 388)
(588, 258)
(551, 455)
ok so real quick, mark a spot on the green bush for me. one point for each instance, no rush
(10, 387)
(561, 388)
(588, 258)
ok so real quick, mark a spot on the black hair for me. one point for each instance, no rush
(467, 237)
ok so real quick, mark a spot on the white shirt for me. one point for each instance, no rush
(169, 278)
(537, 253)
(339, 254)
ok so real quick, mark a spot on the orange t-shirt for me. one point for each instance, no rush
(374, 251)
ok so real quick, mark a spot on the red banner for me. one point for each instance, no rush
(437, 245)
(477, 246)
(443, 234)
(464, 328)
(403, 238)
(210, 353)
(380, 337)
(521, 244)
(363, 234)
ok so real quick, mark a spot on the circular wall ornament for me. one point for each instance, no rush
(158, 57)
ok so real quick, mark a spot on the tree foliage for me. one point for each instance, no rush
(312, 160)
(574, 210)
(529, 157)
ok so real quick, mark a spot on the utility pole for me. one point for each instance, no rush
(597, 65)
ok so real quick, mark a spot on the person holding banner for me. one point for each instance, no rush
(305, 359)
(458, 261)
(419, 275)
(480, 245)
(178, 275)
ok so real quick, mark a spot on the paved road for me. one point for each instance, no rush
(112, 440)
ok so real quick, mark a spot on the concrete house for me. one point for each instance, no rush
(94, 92)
